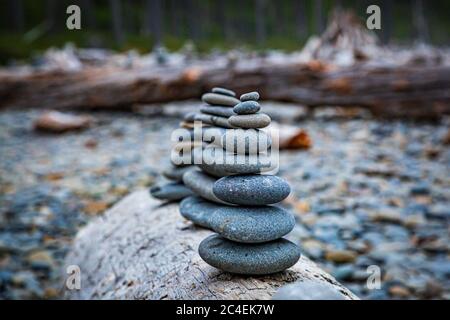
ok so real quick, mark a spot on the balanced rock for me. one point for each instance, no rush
(250, 96)
(250, 259)
(197, 210)
(247, 107)
(218, 111)
(201, 184)
(241, 141)
(219, 99)
(175, 173)
(213, 120)
(251, 190)
(250, 121)
(171, 191)
(223, 91)
(251, 224)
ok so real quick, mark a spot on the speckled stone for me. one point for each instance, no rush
(247, 107)
(308, 290)
(201, 184)
(252, 224)
(218, 111)
(250, 259)
(251, 190)
(175, 173)
(219, 99)
(228, 163)
(250, 121)
(198, 210)
(171, 191)
(224, 91)
(245, 141)
(213, 120)
(251, 96)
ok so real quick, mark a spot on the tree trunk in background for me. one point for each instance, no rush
(386, 21)
(176, 18)
(192, 14)
(153, 20)
(116, 17)
(88, 14)
(260, 22)
(50, 13)
(222, 19)
(300, 19)
(16, 14)
(319, 17)
(420, 23)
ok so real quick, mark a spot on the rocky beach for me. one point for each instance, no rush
(369, 192)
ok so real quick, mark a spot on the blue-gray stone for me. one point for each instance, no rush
(242, 141)
(224, 91)
(219, 161)
(250, 96)
(171, 191)
(250, 121)
(251, 190)
(247, 107)
(251, 224)
(175, 173)
(309, 290)
(218, 111)
(219, 99)
(197, 210)
(201, 184)
(213, 120)
(250, 259)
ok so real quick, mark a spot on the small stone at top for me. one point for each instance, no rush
(247, 107)
(250, 96)
(224, 91)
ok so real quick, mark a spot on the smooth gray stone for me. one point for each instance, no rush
(251, 190)
(218, 111)
(250, 121)
(201, 184)
(213, 134)
(229, 163)
(308, 290)
(224, 91)
(242, 141)
(175, 173)
(250, 96)
(250, 259)
(189, 116)
(219, 99)
(252, 224)
(198, 210)
(247, 107)
(171, 191)
(213, 120)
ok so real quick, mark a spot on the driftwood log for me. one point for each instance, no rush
(407, 89)
(141, 249)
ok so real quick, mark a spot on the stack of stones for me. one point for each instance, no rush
(233, 198)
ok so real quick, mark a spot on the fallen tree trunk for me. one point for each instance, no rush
(411, 88)
(141, 249)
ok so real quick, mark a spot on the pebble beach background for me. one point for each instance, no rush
(368, 192)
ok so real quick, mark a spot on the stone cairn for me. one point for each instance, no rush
(233, 198)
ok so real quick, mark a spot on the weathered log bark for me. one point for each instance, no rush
(141, 249)
(403, 89)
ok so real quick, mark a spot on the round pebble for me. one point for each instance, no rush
(171, 191)
(250, 121)
(251, 190)
(251, 96)
(247, 107)
(251, 224)
(224, 91)
(219, 99)
(197, 210)
(213, 120)
(249, 259)
(175, 173)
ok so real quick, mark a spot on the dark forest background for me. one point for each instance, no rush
(30, 26)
